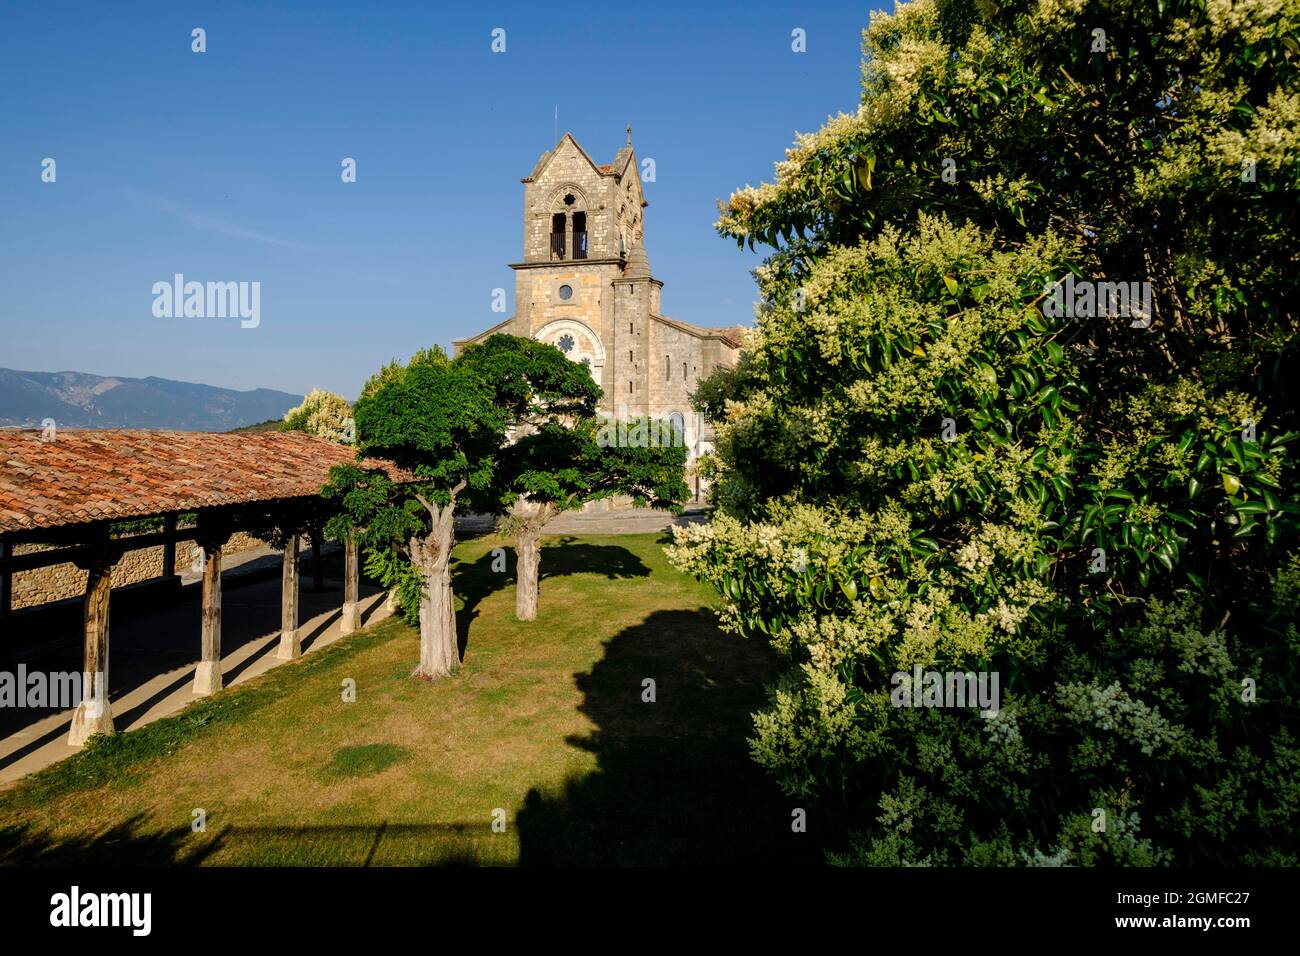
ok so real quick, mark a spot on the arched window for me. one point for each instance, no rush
(668, 368)
(676, 436)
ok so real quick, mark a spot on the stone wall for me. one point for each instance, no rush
(61, 581)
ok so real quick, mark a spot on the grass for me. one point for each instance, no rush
(364, 760)
(544, 727)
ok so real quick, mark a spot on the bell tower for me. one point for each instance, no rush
(581, 221)
(585, 286)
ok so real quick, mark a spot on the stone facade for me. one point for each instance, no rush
(585, 286)
(61, 581)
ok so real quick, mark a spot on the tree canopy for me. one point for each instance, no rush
(924, 463)
(556, 461)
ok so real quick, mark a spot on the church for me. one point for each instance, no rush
(585, 286)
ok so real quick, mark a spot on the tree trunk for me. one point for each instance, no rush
(449, 609)
(530, 518)
(528, 558)
(439, 647)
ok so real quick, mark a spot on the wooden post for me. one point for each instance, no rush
(351, 575)
(290, 640)
(94, 714)
(169, 548)
(207, 676)
(317, 569)
(6, 580)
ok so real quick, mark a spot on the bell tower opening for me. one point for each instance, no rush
(557, 235)
(579, 235)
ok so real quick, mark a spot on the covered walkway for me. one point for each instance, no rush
(155, 654)
(89, 497)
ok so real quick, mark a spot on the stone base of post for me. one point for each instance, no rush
(207, 678)
(290, 645)
(92, 717)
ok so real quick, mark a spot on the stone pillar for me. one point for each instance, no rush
(94, 714)
(351, 580)
(290, 640)
(207, 676)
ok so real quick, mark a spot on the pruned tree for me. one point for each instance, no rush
(439, 422)
(559, 468)
(557, 461)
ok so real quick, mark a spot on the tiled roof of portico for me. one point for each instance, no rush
(94, 475)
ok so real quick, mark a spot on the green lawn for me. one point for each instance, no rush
(545, 722)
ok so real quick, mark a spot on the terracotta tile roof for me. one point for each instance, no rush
(93, 474)
(606, 167)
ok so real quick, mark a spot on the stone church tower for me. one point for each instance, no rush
(585, 286)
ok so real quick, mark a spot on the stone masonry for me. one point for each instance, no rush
(585, 286)
(61, 581)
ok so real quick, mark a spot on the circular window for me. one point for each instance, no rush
(570, 199)
(565, 343)
(566, 292)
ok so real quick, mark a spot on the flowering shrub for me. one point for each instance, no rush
(919, 464)
(322, 414)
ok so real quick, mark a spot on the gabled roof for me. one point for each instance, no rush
(500, 326)
(111, 474)
(546, 157)
(728, 334)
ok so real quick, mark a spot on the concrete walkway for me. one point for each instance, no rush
(152, 656)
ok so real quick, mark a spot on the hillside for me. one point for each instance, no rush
(81, 400)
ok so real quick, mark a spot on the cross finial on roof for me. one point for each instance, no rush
(629, 134)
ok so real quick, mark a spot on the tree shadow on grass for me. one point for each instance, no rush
(125, 844)
(129, 844)
(675, 783)
(473, 581)
(563, 555)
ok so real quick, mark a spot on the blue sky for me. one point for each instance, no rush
(225, 165)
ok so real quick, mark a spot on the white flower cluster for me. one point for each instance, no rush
(1038, 858)
(1112, 709)
(1003, 727)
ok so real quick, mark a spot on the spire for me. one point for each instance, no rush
(638, 263)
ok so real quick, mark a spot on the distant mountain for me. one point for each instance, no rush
(79, 400)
